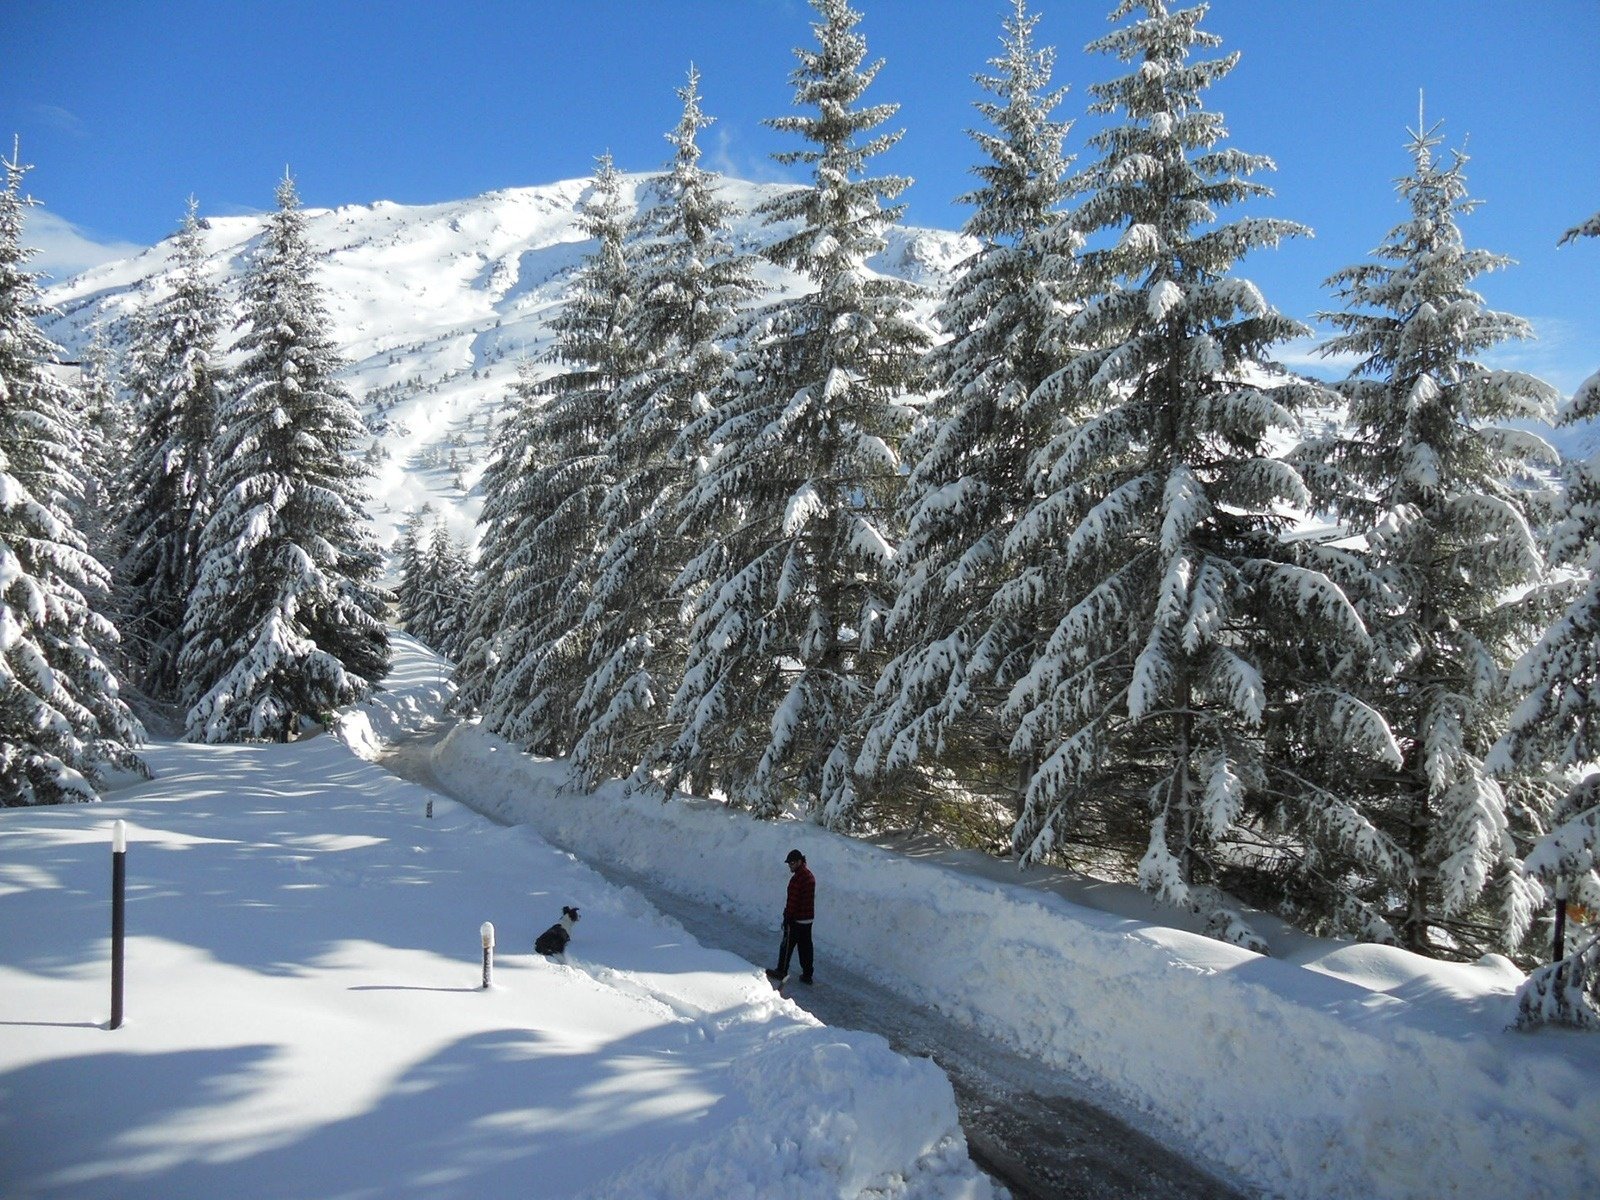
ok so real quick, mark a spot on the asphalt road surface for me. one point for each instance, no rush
(1036, 1131)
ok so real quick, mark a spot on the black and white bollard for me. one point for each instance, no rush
(119, 887)
(487, 932)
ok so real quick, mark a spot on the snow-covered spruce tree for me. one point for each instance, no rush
(285, 620)
(1556, 728)
(691, 283)
(485, 632)
(107, 434)
(452, 577)
(62, 723)
(433, 589)
(176, 378)
(790, 593)
(405, 558)
(552, 533)
(1154, 553)
(995, 390)
(1431, 472)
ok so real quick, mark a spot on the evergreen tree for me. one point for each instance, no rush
(996, 388)
(106, 425)
(285, 620)
(449, 583)
(177, 380)
(62, 723)
(406, 557)
(691, 284)
(1432, 474)
(508, 476)
(552, 532)
(1154, 553)
(1556, 727)
(790, 594)
(435, 583)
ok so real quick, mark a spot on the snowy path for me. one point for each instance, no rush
(1029, 1127)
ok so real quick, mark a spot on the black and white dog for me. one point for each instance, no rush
(554, 940)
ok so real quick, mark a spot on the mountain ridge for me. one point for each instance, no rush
(434, 306)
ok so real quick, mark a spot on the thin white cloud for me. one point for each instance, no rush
(62, 120)
(62, 249)
(726, 156)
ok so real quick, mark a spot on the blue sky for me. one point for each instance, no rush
(127, 107)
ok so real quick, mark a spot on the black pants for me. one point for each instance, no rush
(796, 936)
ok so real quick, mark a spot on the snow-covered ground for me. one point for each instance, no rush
(303, 1004)
(1331, 1070)
(304, 1015)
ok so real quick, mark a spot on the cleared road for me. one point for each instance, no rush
(1037, 1133)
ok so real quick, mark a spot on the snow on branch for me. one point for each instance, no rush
(1566, 992)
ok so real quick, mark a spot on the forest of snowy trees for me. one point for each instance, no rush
(1063, 573)
(1039, 577)
(215, 519)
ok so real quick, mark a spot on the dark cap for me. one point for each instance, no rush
(794, 856)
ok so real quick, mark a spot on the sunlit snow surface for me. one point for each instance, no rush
(305, 1016)
(303, 1004)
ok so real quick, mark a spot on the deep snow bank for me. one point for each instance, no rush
(414, 693)
(1304, 1083)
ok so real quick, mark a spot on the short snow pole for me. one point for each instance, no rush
(119, 925)
(430, 808)
(486, 931)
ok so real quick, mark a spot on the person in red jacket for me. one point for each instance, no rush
(799, 909)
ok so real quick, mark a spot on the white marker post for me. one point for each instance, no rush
(487, 932)
(119, 887)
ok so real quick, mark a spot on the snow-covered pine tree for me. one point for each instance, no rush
(405, 558)
(285, 620)
(176, 379)
(995, 393)
(452, 576)
(691, 284)
(434, 585)
(551, 534)
(1154, 553)
(486, 634)
(1433, 474)
(106, 430)
(1556, 727)
(797, 503)
(62, 723)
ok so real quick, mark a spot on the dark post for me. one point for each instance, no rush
(119, 887)
(486, 930)
(430, 808)
(1560, 950)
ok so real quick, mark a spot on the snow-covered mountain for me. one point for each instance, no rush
(435, 306)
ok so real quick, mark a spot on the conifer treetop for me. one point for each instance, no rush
(843, 211)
